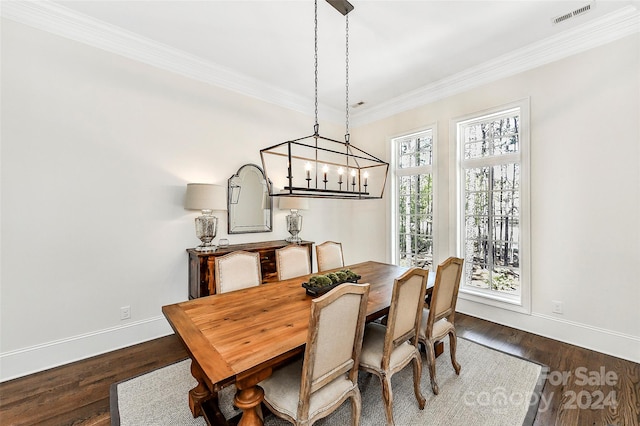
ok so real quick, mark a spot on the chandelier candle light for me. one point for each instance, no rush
(314, 166)
(206, 197)
(294, 220)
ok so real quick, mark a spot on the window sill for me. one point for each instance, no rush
(503, 302)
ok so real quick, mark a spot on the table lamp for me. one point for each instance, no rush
(294, 220)
(206, 197)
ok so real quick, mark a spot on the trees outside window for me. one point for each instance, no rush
(414, 199)
(491, 206)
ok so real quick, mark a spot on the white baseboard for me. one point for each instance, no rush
(37, 358)
(598, 339)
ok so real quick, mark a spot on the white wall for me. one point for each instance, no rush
(96, 154)
(585, 192)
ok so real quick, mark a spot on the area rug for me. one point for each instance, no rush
(493, 388)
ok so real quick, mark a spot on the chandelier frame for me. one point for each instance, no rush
(315, 151)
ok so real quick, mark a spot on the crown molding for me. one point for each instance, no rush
(606, 29)
(59, 20)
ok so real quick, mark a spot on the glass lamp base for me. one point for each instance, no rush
(294, 226)
(206, 247)
(206, 229)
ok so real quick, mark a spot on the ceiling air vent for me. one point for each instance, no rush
(580, 11)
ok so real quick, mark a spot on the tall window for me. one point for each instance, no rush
(492, 204)
(414, 199)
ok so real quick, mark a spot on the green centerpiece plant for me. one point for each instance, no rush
(331, 279)
(319, 281)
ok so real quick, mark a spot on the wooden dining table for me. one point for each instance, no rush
(241, 336)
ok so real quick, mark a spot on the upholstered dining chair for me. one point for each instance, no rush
(438, 320)
(388, 349)
(312, 388)
(329, 256)
(292, 261)
(237, 270)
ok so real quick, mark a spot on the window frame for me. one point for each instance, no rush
(493, 298)
(397, 173)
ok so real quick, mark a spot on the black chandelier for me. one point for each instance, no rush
(315, 166)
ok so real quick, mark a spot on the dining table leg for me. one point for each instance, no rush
(203, 402)
(248, 400)
(200, 393)
(249, 397)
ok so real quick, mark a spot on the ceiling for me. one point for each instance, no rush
(395, 47)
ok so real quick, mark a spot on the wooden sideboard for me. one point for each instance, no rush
(202, 264)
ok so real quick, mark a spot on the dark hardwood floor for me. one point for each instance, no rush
(78, 393)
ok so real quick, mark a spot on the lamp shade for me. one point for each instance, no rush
(205, 196)
(293, 203)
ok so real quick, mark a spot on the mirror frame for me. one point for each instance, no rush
(235, 182)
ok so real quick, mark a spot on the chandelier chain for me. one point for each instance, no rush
(347, 77)
(316, 126)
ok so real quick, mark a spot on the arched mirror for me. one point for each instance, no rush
(249, 204)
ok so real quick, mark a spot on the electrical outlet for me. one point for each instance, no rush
(557, 306)
(125, 312)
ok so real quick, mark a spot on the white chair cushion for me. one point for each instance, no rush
(373, 344)
(329, 256)
(238, 271)
(440, 328)
(293, 261)
(282, 391)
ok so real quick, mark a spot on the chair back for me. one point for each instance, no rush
(445, 292)
(292, 261)
(334, 342)
(405, 312)
(237, 270)
(329, 255)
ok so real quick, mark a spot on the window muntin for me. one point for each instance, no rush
(415, 151)
(491, 204)
(414, 199)
(497, 136)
